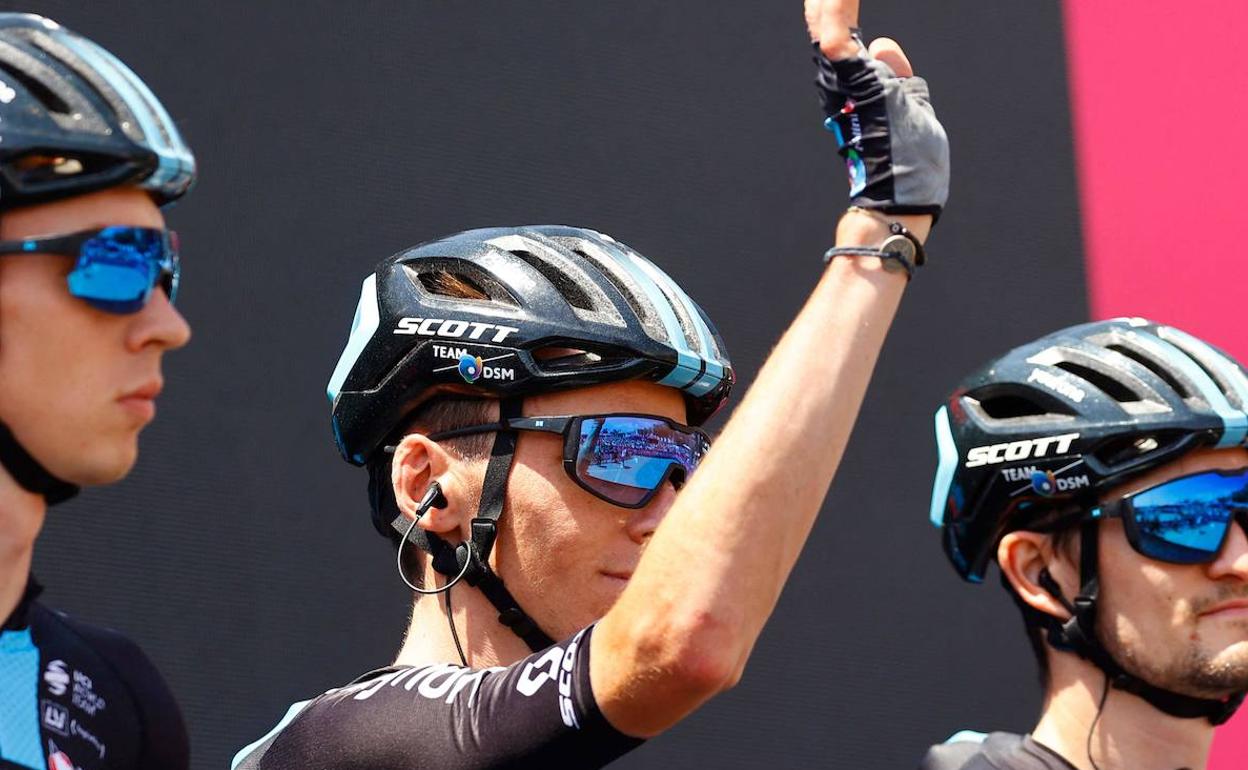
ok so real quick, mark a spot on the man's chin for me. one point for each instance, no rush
(101, 470)
(1223, 671)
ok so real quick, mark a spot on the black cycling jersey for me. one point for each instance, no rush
(998, 751)
(77, 697)
(537, 713)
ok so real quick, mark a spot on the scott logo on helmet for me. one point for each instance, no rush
(453, 329)
(1019, 450)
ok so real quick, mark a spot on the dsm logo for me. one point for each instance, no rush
(1047, 484)
(472, 368)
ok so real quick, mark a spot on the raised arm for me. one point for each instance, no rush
(682, 630)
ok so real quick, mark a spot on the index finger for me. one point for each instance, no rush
(830, 22)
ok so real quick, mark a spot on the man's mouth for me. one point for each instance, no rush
(1230, 608)
(141, 401)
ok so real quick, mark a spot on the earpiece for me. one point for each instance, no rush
(433, 498)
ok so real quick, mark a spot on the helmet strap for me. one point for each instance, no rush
(29, 473)
(471, 559)
(1078, 635)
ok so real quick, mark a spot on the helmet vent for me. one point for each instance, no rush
(1010, 405)
(70, 60)
(631, 293)
(560, 358)
(9, 65)
(452, 281)
(1154, 367)
(1110, 386)
(1126, 449)
(574, 294)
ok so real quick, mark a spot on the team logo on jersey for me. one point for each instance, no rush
(57, 677)
(55, 716)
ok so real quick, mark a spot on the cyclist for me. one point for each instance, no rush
(1103, 468)
(87, 157)
(525, 400)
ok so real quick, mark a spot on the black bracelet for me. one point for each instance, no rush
(890, 258)
(894, 228)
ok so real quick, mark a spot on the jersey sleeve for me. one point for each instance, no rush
(538, 712)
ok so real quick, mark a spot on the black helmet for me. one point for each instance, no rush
(1075, 412)
(76, 119)
(542, 287)
(1052, 424)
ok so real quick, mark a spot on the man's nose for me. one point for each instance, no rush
(1232, 560)
(642, 522)
(158, 324)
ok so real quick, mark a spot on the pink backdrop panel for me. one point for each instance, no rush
(1160, 111)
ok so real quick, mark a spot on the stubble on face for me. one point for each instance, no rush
(1180, 656)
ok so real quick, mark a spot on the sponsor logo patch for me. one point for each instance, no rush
(472, 367)
(1014, 451)
(55, 717)
(1058, 385)
(57, 677)
(450, 328)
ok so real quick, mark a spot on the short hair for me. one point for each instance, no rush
(436, 415)
(1061, 525)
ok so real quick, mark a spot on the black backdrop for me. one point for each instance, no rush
(332, 134)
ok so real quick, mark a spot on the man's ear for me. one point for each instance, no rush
(1022, 557)
(417, 463)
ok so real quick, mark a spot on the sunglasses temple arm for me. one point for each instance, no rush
(542, 424)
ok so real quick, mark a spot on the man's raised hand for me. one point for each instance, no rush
(894, 148)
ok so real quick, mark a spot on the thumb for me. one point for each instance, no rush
(889, 51)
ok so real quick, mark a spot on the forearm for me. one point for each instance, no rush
(714, 569)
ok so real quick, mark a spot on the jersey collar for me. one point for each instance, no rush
(20, 617)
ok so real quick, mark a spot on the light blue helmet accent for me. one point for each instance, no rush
(85, 115)
(1235, 421)
(176, 164)
(714, 373)
(947, 465)
(1228, 370)
(362, 330)
(698, 372)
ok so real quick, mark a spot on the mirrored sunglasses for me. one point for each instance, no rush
(115, 268)
(621, 458)
(1184, 520)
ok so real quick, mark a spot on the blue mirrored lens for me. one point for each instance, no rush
(117, 269)
(624, 459)
(1185, 521)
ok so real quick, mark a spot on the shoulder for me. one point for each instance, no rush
(969, 750)
(115, 652)
(111, 679)
(537, 712)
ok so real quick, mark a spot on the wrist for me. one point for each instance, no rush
(863, 227)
